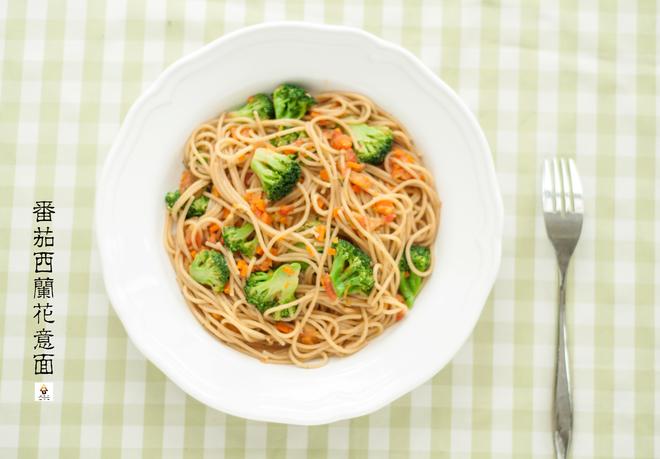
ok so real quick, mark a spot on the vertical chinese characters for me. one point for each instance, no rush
(43, 243)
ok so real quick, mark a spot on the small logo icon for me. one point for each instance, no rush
(43, 392)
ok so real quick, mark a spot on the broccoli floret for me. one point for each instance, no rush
(198, 207)
(291, 101)
(259, 103)
(267, 290)
(411, 283)
(210, 268)
(287, 138)
(373, 142)
(236, 238)
(171, 197)
(351, 270)
(278, 173)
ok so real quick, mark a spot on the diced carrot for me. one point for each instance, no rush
(260, 250)
(187, 179)
(336, 212)
(351, 156)
(225, 213)
(284, 327)
(384, 207)
(213, 237)
(361, 180)
(320, 202)
(215, 192)
(193, 254)
(310, 250)
(389, 218)
(242, 267)
(327, 285)
(285, 210)
(403, 155)
(309, 335)
(226, 290)
(340, 141)
(361, 219)
(273, 250)
(400, 173)
(288, 270)
(400, 315)
(320, 233)
(324, 175)
(332, 251)
(357, 167)
(266, 218)
(265, 265)
(214, 228)
(356, 189)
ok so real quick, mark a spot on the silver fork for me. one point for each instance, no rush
(563, 209)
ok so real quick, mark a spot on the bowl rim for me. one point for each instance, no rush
(160, 84)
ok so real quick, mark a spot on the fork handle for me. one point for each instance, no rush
(563, 403)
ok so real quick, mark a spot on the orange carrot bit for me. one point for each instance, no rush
(340, 141)
(320, 203)
(327, 285)
(266, 218)
(356, 189)
(361, 219)
(226, 290)
(187, 179)
(242, 267)
(288, 270)
(351, 156)
(403, 155)
(361, 180)
(384, 207)
(401, 314)
(357, 167)
(214, 228)
(309, 335)
(193, 253)
(225, 213)
(215, 192)
(213, 237)
(332, 251)
(389, 218)
(260, 250)
(320, 233)
(285, 210)
(324, 175)
(310, 250)
(265, 265)
(336, 212)
(399, 173)
(283, 327)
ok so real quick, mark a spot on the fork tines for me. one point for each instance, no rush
(562, 190)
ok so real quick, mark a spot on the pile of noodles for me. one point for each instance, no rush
(301, 228)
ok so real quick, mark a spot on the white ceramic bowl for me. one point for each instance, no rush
(145, 162)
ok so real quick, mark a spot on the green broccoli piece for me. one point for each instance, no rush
(171, 197)
(278, 173)
(210, 268)
(267, 290)
(287, 138)
(411, 283)
(373, 142)
(259, 103)
(198, 207)
(291, 101)
(236, 238)
(351, 270)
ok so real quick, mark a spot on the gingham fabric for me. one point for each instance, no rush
(544, 79)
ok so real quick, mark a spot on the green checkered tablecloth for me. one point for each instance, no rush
(546, 78)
